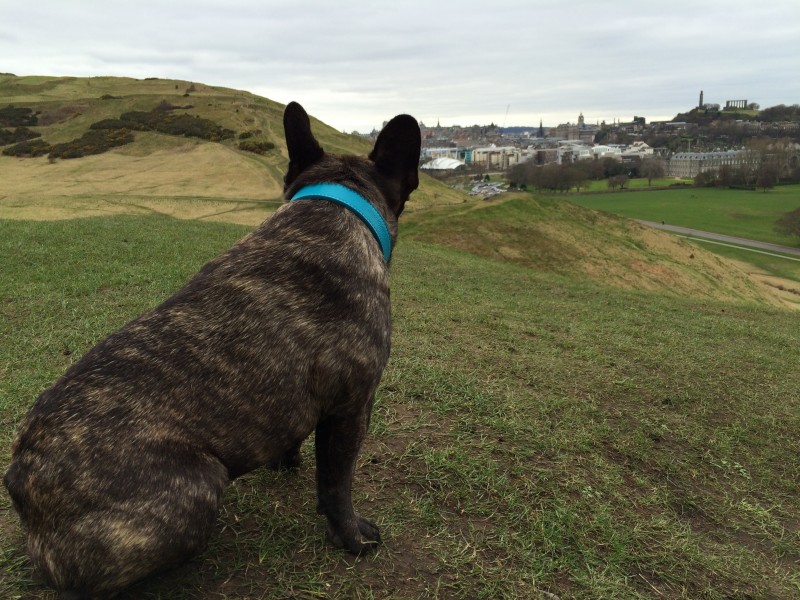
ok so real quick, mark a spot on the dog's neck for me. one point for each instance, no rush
(354, 201)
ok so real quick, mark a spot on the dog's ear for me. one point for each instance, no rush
(304, 150)
(396, 156)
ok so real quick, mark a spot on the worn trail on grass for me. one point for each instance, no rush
(723, 238)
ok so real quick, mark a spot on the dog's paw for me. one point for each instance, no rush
(362, 537)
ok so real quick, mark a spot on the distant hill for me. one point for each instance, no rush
(773, 114)
(158, 169)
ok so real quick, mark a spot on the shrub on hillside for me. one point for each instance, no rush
(28, 149)
(172, 124)
(248, 133)
(13, 116)
(789, 223)
(14, 136)
(117, 124)
(780, 113)
(256, 147)
(92, 142)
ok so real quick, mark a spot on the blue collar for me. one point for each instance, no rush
(340, 194)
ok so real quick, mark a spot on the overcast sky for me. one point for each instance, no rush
(355, 64)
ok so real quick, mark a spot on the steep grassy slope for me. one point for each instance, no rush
(553, 235)
(157, 173)
(535, 433)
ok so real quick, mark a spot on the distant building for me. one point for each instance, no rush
(500, 157)
(443, 164)
(689, 164)
(736, 104)
(580, 132)
(637, 150)
(447, 152)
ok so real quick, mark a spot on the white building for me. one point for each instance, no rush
(443, 164)
(638, 149)
(440, 152)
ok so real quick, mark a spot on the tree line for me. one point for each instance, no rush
(765, 164)
(576, 175)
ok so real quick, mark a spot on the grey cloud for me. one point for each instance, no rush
(360, 62)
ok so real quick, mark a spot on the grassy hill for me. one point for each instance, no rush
(553, 235)
(179, 176)
(575, 405)
(535, 433)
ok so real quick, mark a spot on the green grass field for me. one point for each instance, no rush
(742, 213)
(534, 433)
(633, 184)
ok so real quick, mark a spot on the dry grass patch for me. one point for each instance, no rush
(557, 236)
(190, 169)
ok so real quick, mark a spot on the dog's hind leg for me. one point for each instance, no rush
(115, 544)
(337, 442)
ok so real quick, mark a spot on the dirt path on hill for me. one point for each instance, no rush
(727, 239)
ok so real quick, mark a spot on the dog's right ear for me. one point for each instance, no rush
(304, 150)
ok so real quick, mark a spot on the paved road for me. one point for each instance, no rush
(725, 239)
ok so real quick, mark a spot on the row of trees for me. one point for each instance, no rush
(564, 177)
(764, 176)
(765, 163)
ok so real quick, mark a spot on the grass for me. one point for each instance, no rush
(783, 266)
(742, 213)
(534, 432)
(633, 184)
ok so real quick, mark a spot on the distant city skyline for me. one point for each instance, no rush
(354, 64)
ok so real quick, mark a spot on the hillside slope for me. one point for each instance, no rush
(157, 172)
(613, 443)
(554, 235)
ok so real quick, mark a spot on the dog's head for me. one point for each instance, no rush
(391, 166)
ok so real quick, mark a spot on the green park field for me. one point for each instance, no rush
(742, 213)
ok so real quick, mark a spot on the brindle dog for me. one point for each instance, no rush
(119, 467)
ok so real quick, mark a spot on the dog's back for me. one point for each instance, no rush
(119, 468)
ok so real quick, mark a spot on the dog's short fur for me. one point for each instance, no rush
(119, 467)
